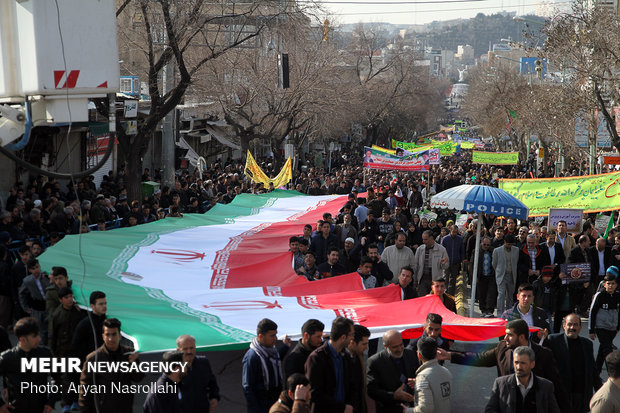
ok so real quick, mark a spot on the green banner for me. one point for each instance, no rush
(446, 148)
(496, 158)
(592, 193)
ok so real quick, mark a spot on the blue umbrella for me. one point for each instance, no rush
(481, 199)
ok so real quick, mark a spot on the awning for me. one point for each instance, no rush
(191, 154)
(220, 136)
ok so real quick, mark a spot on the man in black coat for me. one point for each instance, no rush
(575, 360)
(599, 266)
(322, 241)
(198, 385)
(529, 269)
(577, 255)
(507, 396)
(110, 351)
(432, 329)
(167, 401)
(405, 281)
(23, 399)
(311, 339)
(84, 342)
(390, 374)
(526, 310)
(500, 356)
(326, 365)
(555, 250)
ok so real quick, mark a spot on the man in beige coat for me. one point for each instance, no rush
(431, 259)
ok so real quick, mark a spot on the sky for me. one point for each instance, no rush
(421, 11)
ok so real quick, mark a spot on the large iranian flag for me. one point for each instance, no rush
(215, 275)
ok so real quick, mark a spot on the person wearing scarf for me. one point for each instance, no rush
(261, 377)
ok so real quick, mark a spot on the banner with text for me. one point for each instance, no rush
(416, 161)
(447, 148)
(496, 158)
(592, 193)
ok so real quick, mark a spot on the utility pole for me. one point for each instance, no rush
(167, 137)
(592, 141)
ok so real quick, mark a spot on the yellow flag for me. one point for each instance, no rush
(257, 175)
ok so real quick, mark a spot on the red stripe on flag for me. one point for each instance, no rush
(245, 262)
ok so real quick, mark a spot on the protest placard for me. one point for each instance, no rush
(427, 214)
(461, 221)
(572, 217)
(576, 273)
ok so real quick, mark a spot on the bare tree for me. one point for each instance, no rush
(492, 102)
(391, 94)
(245, 83)
(181, 36)
(585, 45)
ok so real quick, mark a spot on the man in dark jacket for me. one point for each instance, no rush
(432, 329)
(575, 359)
(18, 273)
(32, 296)
(532, 259)
(83, 341)
(59, 279)
(369, 229)
(322, 242)
(261, 376)
(456, 252)
(390, 374)
(525, 310)
(110, 351)
(517, 332)
(487, 285)
(329, 370)
(21, 399)
(507, 395)
(63, 321)
(167, 401)
(331, 267)
(198, 385)
(577, 255)
(600, 258)
(311, 339)
(555, 250)
(356, 349)
(350, 256)
(405, 281)
(380, 269)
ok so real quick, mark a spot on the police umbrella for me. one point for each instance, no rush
(482, 200)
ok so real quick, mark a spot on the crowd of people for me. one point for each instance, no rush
(385, 232)
(337, 374)
(93, 338)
